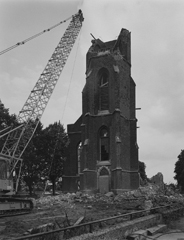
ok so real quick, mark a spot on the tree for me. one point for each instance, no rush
(32, 166)
(54, 148)
(6, 120)
(179, 171)
(43, 159)
(142, 171)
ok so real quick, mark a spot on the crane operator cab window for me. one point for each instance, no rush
(3, 169)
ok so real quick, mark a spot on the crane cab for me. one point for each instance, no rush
(6, 183)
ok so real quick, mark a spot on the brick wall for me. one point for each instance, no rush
(119, 118)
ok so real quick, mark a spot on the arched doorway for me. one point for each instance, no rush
(104, 180)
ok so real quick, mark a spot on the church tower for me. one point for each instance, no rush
(103, 144)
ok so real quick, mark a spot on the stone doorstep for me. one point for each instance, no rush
(142, 234)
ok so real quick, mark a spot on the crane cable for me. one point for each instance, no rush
(70, 79)
(32, 37)
(58, 135)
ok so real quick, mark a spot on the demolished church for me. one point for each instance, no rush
(103, 151)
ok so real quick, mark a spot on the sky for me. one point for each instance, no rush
(157, 47)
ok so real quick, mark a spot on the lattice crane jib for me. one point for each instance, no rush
(37, 101)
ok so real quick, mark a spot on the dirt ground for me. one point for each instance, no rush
(62, 210)
(65, 209)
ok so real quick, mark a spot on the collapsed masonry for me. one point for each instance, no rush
(103, 150)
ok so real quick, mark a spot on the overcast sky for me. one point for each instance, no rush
(157, 37)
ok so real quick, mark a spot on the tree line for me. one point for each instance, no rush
(45, 155)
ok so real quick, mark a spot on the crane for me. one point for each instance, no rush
(28, 118)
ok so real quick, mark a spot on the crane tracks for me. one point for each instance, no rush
(12, 206)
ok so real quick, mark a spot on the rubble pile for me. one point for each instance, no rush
(45, 202)
(152, 194)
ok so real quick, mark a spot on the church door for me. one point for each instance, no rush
(104, 181)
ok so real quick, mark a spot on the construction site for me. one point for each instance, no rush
(102, 193)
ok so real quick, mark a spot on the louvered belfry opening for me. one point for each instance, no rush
(104, 89)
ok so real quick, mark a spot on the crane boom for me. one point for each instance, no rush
(17, 141)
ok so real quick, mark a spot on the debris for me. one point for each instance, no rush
(89, 207)
(158, 180)
(116, 68)
(66, 209)
(42, 228)
(138, 235)
(159, 228)
(79, 221)
(109, 194)
(102, 53)
(57, 224)
(2, 228)
(148, 205)
(67, 220)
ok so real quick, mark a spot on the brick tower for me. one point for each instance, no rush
(103, 150)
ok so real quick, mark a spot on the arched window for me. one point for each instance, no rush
(104, 144)
(103, 76)
(79, 150)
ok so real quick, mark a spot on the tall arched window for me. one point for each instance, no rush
(103, 76)
(104, 144)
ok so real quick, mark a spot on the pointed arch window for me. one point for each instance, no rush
(104, 144)
(103, 89)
